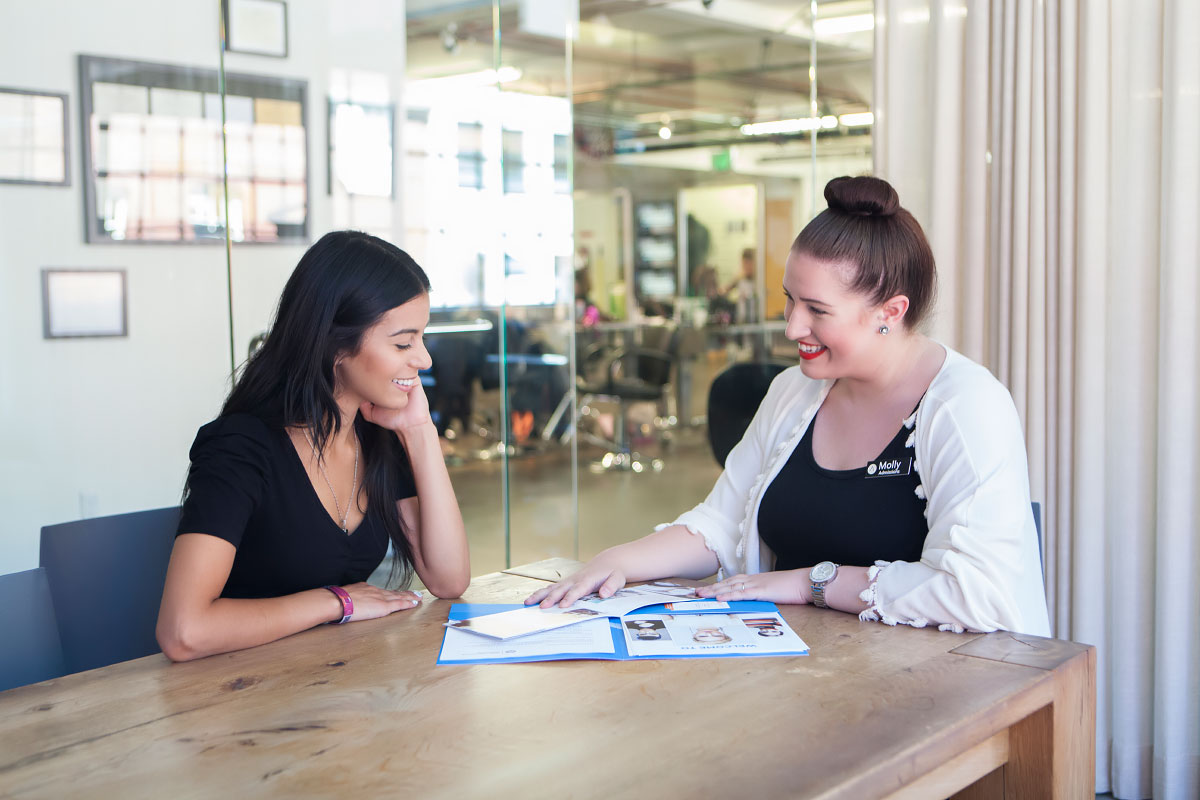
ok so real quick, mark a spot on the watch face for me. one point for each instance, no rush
(822, 572)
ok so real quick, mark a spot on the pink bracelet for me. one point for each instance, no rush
(347, 604)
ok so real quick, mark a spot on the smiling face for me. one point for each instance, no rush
(391, 353)
(836, 329)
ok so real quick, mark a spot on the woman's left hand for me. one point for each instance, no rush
(413, 415)
(789, 586)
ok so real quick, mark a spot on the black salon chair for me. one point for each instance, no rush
(632, 375)
(591, 360)
(733, 399)
(450, 382)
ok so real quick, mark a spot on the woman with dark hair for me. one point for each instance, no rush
(323, 453)
(885, 475)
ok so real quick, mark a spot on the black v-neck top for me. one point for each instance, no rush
(247, 485)
(810, 514)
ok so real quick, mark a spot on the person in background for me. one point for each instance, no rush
(323, 454)
(743, 290)
(587, 313)
(883, 476)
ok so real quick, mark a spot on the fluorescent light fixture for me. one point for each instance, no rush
(853, 23)
(484, 77)
(458, 327)
(664, 132)
(789, 125)
(859, 120)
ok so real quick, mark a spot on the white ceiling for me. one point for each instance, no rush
(638, 65)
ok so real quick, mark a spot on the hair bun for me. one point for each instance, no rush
(863, 196)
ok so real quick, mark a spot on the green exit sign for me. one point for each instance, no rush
(721, 161)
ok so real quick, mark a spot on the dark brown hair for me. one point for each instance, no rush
(865, 229)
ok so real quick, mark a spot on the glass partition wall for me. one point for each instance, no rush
(603, 197)
(487, 164)
(704, 136)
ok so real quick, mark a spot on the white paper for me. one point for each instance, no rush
(534, 619)
(523, 621)
(591, 636)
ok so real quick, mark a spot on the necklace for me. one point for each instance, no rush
(353, 483)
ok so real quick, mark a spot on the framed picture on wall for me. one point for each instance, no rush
(361, 141)
(83, 303)
(33, 138)
(256, 27)
(162, 145)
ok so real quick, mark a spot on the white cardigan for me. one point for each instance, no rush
(980, 568)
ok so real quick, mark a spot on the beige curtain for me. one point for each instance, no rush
(1052, 150)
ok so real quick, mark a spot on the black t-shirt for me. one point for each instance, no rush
(811, 514)
(247, 485)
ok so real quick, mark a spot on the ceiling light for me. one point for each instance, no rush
(483, 77)
(789, 125)
(449, 37)
(664, 132)
(459, 327)
(858, 120)
(854, 23)
(602, 29)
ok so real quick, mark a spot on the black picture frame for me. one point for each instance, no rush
(236, 42)
(64, 99)
(56, 311)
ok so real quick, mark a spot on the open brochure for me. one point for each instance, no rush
(526, 620)
(743, 628)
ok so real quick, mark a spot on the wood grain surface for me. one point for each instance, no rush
(363, 708)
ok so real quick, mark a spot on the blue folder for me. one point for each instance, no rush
(621, 653)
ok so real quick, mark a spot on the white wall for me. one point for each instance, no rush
(103, 426)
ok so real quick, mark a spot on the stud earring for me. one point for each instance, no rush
(884, 330)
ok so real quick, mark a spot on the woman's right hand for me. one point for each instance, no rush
(594, 577)
(372, 602)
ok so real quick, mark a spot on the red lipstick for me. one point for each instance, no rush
(811, 356)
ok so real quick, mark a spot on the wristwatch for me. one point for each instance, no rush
(820, 575)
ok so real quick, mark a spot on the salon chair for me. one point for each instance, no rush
(631, 375)
(733, 399)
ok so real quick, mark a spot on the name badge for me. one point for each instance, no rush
(889, 467)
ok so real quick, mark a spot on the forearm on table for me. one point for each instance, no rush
(843, 593)
(673, 551)
(228, 624)
(441, 557)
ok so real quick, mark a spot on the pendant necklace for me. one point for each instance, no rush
(353, 484)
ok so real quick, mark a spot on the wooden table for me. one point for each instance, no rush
(362, 709)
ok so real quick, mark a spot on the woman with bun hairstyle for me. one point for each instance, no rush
(883, 476)
(323, 453)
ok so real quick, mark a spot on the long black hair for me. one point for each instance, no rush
(342, 286)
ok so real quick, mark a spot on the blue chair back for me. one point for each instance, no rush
(106, 576)
(733, 398)
(31, 651)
